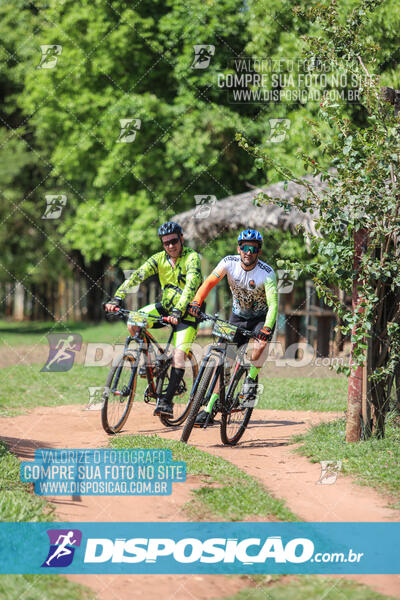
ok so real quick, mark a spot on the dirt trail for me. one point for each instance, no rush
(265, 452)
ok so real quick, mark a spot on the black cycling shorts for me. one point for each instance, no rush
(255, 325)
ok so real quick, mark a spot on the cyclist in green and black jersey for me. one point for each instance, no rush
(179, 272)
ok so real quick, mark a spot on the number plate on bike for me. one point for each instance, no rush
(137, 318)
(224, 330)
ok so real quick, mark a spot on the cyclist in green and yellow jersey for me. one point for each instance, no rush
(179, 272)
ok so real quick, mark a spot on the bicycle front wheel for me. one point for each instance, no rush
(183, 398)
(234, 418)
(198, 398)
(118, 394)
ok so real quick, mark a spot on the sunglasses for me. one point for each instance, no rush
(247, 248)
(172, 242)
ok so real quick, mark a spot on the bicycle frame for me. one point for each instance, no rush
(147, 343)
(220, 349)
(151, 360)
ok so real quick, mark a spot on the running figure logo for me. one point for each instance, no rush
(62, 547)
(279, 130)
(329, 471)
(286, 279)
(202, 55)
(129, 129)
(95, 398)
(62, 351)
(50, 54)
(203, 206)
(54, 206)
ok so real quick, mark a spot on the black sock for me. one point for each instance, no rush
(174, 380)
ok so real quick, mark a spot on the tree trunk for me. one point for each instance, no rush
(354, 405)
(354, 397)
(93, 275)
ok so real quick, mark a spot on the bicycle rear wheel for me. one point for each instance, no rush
(198, 398)
(234, 419)
(118, 394)
(183, 398)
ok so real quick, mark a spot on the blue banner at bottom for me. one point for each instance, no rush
(218, 548)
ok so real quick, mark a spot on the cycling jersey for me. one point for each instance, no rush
(254, 292)
(179, 282)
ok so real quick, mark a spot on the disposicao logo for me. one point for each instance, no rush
(62, 547)
(190, 550)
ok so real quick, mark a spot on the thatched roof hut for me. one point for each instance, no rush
(204, 223)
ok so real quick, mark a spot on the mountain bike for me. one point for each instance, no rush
(148, 359)
(235, 412)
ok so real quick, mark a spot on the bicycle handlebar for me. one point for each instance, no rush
(207, 317)
(123, 312)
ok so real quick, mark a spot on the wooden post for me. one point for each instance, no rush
(53, 294)
(7, 299)
(82, 298)
(19, 296)
(323, 335)
(74, 298)
(292, 330)
(60, 299)
(32, 302)
(310, 292)
(68, 301)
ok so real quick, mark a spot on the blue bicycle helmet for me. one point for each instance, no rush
(169, 227)
(250, 235)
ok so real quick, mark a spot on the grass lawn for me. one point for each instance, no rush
(24, 386)
(228, 493)
(282, 392)
(304, 393)
(374, 462)
(34, 332)
(42, 587)
(309, 587)
(18, 504)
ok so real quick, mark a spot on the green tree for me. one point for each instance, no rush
(121, 62)
(27, 250)
(358, 212)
